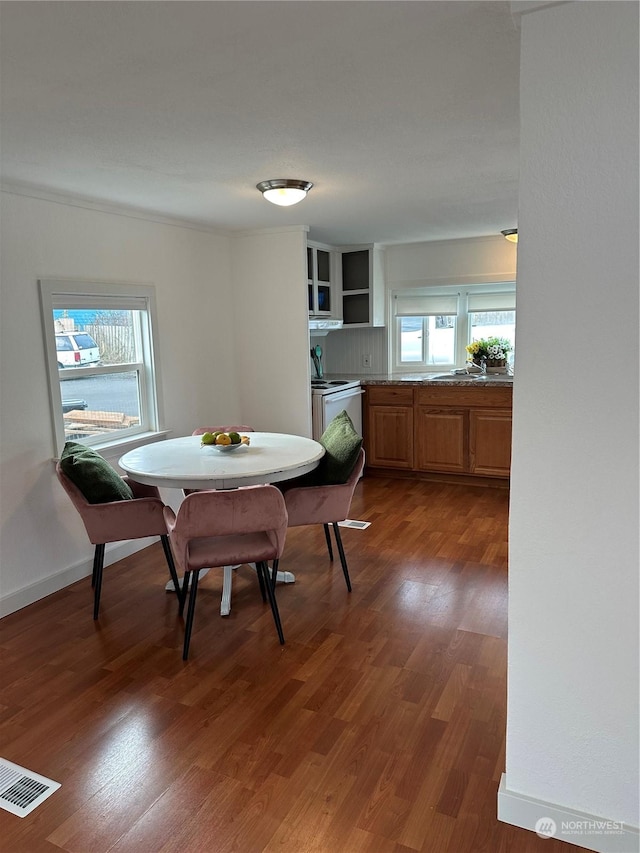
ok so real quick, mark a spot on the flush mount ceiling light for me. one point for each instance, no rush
(284, 192)
(511, 234)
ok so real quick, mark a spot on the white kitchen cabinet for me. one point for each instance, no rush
(322, 275)
(362, 286)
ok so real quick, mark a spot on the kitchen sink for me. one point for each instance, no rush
(475, 377)
(457, 376)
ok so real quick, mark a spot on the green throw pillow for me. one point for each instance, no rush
(92, 474)
(342, 446)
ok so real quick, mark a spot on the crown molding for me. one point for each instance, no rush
(498, 239)
(71, 200)
(278, 229)
(524, 7)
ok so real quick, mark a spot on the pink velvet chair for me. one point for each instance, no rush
(119, 520)
(324, 505)
(230, 527)
(228, 576)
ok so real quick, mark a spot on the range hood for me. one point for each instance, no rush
(323, 325)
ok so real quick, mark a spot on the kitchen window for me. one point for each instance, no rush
(102, 366)
(432, 327)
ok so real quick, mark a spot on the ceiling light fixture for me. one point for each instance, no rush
(511, 234)
(284, 192)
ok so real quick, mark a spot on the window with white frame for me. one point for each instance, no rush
(99, 341)
(432, 327)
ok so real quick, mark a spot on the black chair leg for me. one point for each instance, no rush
(182, 598)
(343, 559)
(98, 563)
(166, 546)
(190, 611)
(263, 591)
(263, 567)
(95, 568)
(274, 572)
(327, 535)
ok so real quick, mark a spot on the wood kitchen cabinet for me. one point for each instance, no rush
(463, 429)
(389, 426)
(441, 439)
(457, 430)
(490, 442)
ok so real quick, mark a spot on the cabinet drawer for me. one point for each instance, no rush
(389, 395)
(465, 395)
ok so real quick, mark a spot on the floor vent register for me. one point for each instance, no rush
(21, 790)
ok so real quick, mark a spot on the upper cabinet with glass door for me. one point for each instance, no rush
(362, 286)
(321, 279)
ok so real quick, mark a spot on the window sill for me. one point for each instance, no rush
(115, 449)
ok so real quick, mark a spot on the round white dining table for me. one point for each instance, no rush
(185, 463)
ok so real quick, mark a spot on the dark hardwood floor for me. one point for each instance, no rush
(378, 727)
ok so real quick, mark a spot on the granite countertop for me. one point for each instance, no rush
(446, 379)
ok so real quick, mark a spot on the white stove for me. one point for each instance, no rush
(331, 386)
(329, 397)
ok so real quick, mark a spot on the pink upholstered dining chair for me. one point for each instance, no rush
(220, 528)
(228, 576)
(118, 520)
(326, 505)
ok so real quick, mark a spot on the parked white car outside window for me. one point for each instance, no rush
(75, 349)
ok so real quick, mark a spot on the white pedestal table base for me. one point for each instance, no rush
(227, 580)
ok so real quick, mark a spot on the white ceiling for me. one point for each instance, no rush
(403, 114)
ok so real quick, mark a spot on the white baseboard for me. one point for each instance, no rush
(554, 821)
(40, 589)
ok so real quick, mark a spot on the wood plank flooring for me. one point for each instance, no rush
(378, 728)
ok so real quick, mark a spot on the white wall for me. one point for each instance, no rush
(343, 350)
(272, 329)
(573, 576)
(477, 260)
(233, 346)
(43, 544)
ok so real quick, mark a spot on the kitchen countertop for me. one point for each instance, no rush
(417, 379)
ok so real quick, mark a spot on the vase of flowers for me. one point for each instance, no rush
(490, 353)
